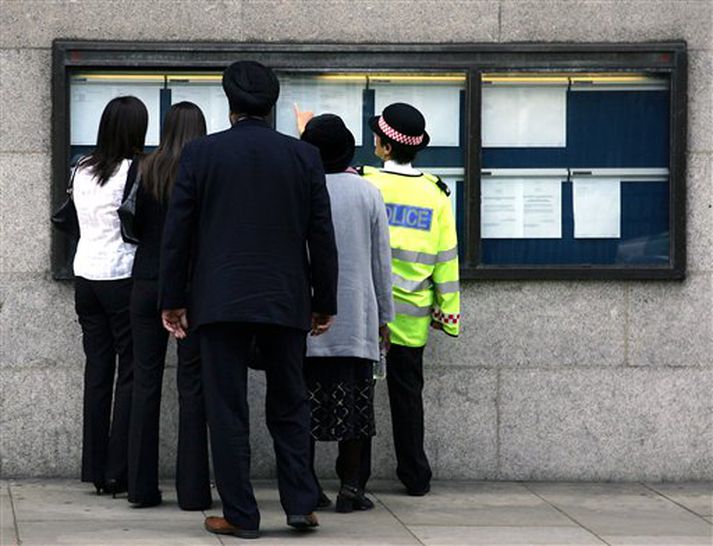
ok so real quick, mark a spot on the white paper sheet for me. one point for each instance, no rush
(542, 208)
(210, 98)
(501, 210)
(597, 208)
(87, 102)
(521, 208)
(439, 104)
(344, 99)
(524, 116)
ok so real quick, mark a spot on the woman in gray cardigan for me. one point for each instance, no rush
(339, 364)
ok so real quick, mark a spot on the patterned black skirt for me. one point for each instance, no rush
(341, 393)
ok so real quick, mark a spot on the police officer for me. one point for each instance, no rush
(426, 292)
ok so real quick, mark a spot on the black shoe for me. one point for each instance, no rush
(303, 523)
(418, 492)
(148, 503)
(114, 487)
(352, 498)
(324, 501)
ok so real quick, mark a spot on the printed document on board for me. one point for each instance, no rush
(521, 208)
(524, 116)
(343, 99)
(597, 208)
(88, 100)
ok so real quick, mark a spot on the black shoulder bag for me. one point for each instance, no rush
(65, 217)
(127, 209)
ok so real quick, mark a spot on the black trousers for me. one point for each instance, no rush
(225, 348)
(103, 311)
(150, 341)
(404, 377)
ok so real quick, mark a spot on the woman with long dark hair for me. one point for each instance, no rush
(184, 122)
(102, 266)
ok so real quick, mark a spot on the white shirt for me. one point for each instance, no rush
(102, 254)
(391, 166)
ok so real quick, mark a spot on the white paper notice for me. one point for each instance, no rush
(521, 208)
(542, 208)
(597, 208)
(87, 102)
(343, 99)
(501, 211)
(210, 98)
(524, 116)
(439, 104)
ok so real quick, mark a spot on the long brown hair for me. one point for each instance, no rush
(121, 135)
(184, 122)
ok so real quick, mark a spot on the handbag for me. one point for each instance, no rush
(127, 209)
(65, 217)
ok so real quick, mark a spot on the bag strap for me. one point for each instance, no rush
(132, 177)
(70, 186)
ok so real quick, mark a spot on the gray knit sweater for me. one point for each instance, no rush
(364, 294)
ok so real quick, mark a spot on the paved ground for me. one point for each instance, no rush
(455, 513)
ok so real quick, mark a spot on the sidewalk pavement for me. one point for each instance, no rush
(46, 512)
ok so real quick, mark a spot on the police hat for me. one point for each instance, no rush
(403, 124)
(335, 142)
(251, 88)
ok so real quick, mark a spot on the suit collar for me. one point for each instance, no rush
(250, 122)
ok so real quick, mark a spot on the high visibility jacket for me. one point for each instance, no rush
(424, 255)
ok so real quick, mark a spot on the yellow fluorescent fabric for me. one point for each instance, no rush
(424, 250)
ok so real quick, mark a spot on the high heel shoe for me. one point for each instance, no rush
(352, 498)
(114, 487)
(99, 487)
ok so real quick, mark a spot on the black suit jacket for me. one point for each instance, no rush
(258, 205)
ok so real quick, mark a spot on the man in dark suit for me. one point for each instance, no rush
(249, 228)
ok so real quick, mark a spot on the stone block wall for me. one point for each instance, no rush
(550, 380)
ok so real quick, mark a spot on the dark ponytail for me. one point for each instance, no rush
(184, 122)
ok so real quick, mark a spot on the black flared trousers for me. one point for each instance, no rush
(150, 342)
(103, 311)
(225, 348)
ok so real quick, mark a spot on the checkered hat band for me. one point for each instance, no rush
(394, 135)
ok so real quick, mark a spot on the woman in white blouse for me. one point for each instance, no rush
(102, 267)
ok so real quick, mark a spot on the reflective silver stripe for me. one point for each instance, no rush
(447, 287)
(411, 310)
(413, 256)
(411, 286)
(447, 255)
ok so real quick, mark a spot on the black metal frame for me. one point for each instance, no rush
(669, 58)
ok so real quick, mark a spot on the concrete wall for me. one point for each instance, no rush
(550, 380)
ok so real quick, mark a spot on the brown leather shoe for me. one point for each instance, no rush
(222, 526)
(302, 523)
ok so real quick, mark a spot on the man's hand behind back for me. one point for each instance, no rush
(321, 323)
(176, 322)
